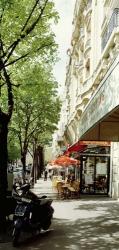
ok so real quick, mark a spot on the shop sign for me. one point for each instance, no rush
(96, 143)
(88, 179)
(103, 102)
(101, 168)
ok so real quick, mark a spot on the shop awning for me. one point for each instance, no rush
(80, 146)
(77, 147)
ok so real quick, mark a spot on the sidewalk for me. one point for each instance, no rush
(91, 222)
(78, 224)
(42, 187)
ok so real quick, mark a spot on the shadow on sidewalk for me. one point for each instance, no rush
(6, 236)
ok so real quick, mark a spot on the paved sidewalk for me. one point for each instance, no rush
(91, 222)
(42, 187)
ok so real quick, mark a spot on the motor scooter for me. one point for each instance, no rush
(10, 205)
(31, 214)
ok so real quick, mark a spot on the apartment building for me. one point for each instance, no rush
(91, 102)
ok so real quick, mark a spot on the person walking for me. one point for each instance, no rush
(45, 175)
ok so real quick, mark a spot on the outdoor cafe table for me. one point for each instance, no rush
(65, 190)
(55, 181)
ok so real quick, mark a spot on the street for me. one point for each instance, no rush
(86, 223)
(59, 124)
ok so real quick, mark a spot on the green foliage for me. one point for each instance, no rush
(37, 106)
(23, 46)
(16, 24)
(13, 147)
(28, 52)
(13, 152)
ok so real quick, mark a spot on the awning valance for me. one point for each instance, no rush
(80, 146)
(76, 147)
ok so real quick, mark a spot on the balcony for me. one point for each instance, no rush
(113, 23)
(87, 12)
(81, 38)
(79, 65)
(87, 47)
(79, 106)
(88, 8)
(86, 86)
(75, 34)
(84, 95)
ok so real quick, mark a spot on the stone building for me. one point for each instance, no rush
(91, 101)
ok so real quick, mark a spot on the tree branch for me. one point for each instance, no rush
(30, 15)
(30, 153)
(1, 85)
(19, 134)
(31, 133)
(17, 59)
(25, 55)
(1, 47)
(27, 32)
(9, 89)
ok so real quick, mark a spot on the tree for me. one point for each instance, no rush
(36, 108)
(13, 147)
(25, 35)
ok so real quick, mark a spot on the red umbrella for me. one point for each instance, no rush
(64, 160)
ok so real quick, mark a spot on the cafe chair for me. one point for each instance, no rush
(60, 190)
(74, 189)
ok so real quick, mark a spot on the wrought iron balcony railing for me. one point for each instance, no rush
(113, 23)
(87, 46)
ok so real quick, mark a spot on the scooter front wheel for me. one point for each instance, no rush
(16, 235)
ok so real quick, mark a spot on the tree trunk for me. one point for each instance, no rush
(34, 169)
(38, 163)
(3, 168)
(33, 173)
(40, 156)
(23, 160)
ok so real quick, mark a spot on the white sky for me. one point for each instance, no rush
(63, 32)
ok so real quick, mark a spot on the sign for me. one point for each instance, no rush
(88, 179)
(104, 101)
(101, 168)
(99, 143)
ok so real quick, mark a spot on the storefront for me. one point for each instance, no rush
(95, 171)
(100, 122)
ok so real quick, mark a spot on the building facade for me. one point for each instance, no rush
(91, 103)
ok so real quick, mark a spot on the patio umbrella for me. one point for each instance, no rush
(64, 160)
(53, 166)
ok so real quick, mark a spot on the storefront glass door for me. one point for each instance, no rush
(101, 174)
(88, 175)
(95, 174)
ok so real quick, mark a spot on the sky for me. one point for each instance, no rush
(63, 32)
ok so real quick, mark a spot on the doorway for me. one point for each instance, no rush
(94, 175)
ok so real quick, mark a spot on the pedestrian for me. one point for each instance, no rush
(45, 175)
(50, 174)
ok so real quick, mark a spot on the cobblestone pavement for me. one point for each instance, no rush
(87, 223)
